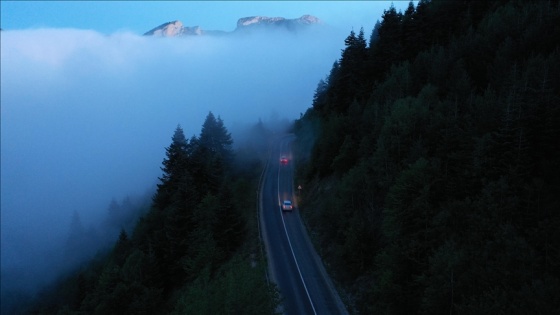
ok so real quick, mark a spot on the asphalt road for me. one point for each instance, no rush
(293, 263)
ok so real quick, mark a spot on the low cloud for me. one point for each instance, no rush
(85, 118)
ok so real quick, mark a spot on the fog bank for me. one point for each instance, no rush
(85, 118)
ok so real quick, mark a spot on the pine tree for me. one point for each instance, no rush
(213, 155)
(319, 97)
(174, 168)
(122, 248)
(390, 31)
(216, 139)
(230, 226)
(350, 77)
(374, 37)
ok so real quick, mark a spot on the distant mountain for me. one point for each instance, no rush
(254, 22)
(176, 28)
(247, 24)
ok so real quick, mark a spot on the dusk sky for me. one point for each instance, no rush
(140, 16)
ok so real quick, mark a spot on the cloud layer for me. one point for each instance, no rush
(85, 117)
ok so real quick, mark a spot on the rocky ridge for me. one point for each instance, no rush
(177, 29)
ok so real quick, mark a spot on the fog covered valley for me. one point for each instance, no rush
(86, 118)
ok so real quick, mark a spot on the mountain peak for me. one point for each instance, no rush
(176, 28)
(264, 21)
(252, 20)
(309, 19)
(168, 29)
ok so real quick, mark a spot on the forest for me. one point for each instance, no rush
(195, 251)
(429, 161)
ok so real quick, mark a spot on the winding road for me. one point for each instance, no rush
(293, 263)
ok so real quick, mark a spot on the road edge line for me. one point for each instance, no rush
(290, 244)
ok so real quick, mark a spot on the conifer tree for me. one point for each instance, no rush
(215, 138)
(174, 168)
(213, 154)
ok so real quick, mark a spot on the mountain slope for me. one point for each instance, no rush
(431, 181)
(191, 250)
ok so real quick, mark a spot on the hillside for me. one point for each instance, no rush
(196, 251)
(429, 161)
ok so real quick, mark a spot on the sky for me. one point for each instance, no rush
(140, 16)
(88, 105)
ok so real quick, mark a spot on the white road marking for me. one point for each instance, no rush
(290, 243)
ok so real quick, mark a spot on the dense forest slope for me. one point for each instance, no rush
(430, 161)
(196, 251)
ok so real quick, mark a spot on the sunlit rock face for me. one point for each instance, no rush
(168, 29)
(258, 20)
(309, 19)
(254, 22)
(176, 28)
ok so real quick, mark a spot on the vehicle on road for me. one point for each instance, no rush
(283, 160)
(287, 205)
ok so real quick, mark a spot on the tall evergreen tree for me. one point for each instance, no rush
(347, 76)
(213, 154)
(174, 167)
(389, 48)
(215, 138)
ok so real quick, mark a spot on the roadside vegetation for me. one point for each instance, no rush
(197, 249)
(429, 161)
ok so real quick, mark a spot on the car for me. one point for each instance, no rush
(287, 205)
(283, 160)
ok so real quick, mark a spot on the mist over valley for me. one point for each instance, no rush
(86, 118)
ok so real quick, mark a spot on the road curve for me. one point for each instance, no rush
(293, 263)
